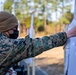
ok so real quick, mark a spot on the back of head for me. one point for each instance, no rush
(7, 21)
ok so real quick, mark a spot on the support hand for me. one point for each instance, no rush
(71, 33)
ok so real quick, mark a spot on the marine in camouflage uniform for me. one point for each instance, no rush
(14, 50)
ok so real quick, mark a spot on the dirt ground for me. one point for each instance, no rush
(52, 61)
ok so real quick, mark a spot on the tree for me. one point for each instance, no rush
(8, 5)
(43, 9)
(68, 16)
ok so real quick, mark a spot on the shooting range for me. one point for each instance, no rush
(38, 18)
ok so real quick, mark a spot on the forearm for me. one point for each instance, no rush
(48, 42)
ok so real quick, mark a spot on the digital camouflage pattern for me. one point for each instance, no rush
(14, 50)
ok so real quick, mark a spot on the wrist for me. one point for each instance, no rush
(68, 35)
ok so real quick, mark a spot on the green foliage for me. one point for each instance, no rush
(27, 22)
(22, 8)
(68, 15)
(37, 23)
(8, 6)
(66, 18)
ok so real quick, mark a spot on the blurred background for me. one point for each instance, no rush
(50, 17)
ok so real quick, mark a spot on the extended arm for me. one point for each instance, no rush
(18, 49)
(48, 42)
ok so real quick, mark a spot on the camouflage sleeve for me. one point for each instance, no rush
(14, 50)
(48, 42)
(25, 48)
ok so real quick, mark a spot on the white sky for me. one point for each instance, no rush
(1, 4)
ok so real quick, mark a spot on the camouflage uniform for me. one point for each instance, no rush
(14, 50)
